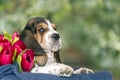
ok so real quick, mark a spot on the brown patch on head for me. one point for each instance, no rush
(54, 26)
(41, 29)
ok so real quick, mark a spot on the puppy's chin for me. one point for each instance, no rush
(54, 47)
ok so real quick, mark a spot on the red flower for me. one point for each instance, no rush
(15, 37)
(13, 49)
(26, 60)
(5, 52)
(18, 46)
(1, 37)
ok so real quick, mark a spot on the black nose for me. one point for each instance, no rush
(55, 36)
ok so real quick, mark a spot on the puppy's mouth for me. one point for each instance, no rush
(56, 47)
(53, 46)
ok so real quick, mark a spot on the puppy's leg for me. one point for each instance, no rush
(61, 70)
(83, 70)
(56, 69)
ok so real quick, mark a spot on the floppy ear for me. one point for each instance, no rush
(27, 36)
(57, 56)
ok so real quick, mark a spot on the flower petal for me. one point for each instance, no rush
(6, 54)
(19, 46)
(27, 60)
(15, 37)
(1, 37)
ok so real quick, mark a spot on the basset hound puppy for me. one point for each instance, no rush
(41, 35)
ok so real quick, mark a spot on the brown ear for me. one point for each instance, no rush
(27, 36)
(30, 42)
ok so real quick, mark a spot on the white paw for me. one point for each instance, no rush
(61, 70)
(83, 70)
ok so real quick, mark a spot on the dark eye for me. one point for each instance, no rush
(41, 29)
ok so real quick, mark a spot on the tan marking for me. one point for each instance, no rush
(40, 36)
(41, 60)
(54, 26)
(43, 25)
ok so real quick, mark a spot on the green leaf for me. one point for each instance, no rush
(1, 48)
(14, 53)
(18, 60)
(16, 39)
(7, 36)
(35, 61)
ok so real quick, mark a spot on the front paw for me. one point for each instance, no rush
(83, 70)
(62, 70)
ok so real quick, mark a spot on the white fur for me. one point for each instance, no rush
(52, 67)
(49, 24)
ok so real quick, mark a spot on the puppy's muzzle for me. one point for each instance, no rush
(55, 36)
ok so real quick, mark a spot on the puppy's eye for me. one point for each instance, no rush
(41, 29)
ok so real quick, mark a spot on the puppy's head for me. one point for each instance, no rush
(40, 35)
(45, 33)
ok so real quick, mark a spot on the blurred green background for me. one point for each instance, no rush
(90, 29)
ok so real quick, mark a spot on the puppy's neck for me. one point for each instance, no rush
(51, 58)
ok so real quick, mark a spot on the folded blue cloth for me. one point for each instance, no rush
(10, 72)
